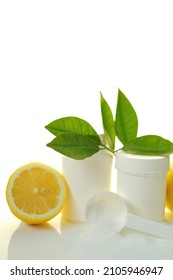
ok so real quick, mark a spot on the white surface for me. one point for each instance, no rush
(55, 57)
(63, 240)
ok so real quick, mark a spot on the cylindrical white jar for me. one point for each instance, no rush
(141, 180)
(85, 178)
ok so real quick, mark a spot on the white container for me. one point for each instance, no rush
(141, 181)
(85, 178)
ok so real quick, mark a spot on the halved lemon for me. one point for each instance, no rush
(36, 193)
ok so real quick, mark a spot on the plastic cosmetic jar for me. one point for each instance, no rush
(141, 181)
(85, 178)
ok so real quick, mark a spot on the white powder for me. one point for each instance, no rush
(102, 216)
(107, 211)
(101, 241)
(128, 244)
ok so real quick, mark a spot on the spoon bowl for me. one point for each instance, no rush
(109, 211)
(106, 209)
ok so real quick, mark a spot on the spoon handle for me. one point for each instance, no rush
(164, 230)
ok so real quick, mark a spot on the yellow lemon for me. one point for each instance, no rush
(36, 193)
(169, 188)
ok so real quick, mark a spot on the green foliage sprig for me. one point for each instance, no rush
(77, 139)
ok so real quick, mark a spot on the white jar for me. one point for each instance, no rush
(141, 180)
(85, 178)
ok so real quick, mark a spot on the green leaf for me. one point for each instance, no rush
(73, 125)
(108, 123)
(74, 145)
(126, 123)
(149, 145)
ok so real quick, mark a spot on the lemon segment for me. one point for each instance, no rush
(36, 193)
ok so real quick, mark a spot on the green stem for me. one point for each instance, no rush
(117, 151)
(104, 147)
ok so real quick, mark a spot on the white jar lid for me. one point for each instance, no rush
(141, 164)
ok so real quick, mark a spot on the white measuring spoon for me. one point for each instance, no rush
(109, 209)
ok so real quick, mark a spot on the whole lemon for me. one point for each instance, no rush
(169, 188)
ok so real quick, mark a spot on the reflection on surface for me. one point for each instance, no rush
(43, 242)
(34, 242)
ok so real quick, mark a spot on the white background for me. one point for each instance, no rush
(55, 57)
